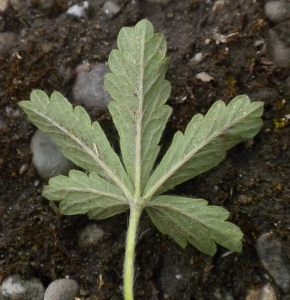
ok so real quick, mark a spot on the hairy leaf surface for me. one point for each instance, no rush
(81, 194)
(191, 220)
(81, 141)
(138, 87)
(205, 142)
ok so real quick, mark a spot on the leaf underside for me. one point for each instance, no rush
(205, 142)
(115, 184)
(191, 220)
(140, 91)
(81, 141)
(81, 194)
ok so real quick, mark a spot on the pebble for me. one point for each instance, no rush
(7, 41)
(14, 288)
(110, 8)
(3, 5)
(62, 289)
(89, 90)
(47, 157)
(277, 11)
(275, 260)
(204, 77)
(90, 235)
(78, 10)
(279, 50)
(264, 293)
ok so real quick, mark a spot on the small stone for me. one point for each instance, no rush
(218, 5)
(89, 90)
(275, 260)
(111, 9)
(3, 5)
(197, 58)
(90, 235)
(47, 157)
(78, 10)
(62, 289)
(277, 11)
(14, 288)
(265, 293)
(7, 41)
(279, 50)
(204, 77)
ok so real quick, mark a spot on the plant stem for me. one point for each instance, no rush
(135, 214)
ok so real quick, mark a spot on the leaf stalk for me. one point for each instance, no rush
(135, 214)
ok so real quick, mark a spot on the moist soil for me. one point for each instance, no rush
(252, 182)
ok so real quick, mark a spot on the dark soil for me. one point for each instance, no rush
(252, 182)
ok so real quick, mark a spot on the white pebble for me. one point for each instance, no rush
(110, 8)
(78, 10)
(204, 77)
(197, 57)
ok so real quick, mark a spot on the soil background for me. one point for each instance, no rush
(252, 182)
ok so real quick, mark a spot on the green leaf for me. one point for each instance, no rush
(191, 220)
(138, 87)
(205, 142)
(81, 141)
(80, 194)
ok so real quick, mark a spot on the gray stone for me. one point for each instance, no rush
(111, 9)
(7, 41)
(62, 289)
(15, 288)
(277, 11)
(279, 50)
(90, 235)
(47, 157)
(275, 260)
(89, 90)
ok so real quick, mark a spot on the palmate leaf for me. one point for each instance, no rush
(191, 220)
(205, 142)
(138, 87)
(81, 194)
(81, 141)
